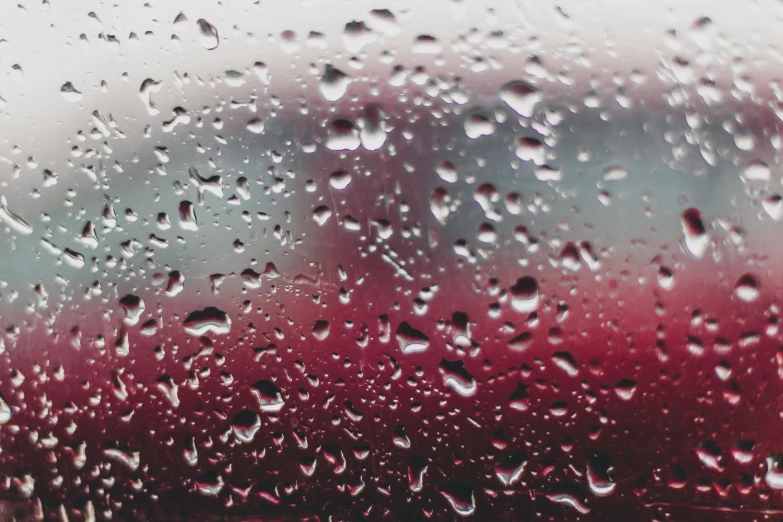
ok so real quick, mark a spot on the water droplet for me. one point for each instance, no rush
(417, 468)
(187, 216)
(210, 319)
(307, 464)
(321, 215)
(709, 455)
(400, 438)
(190, 453)
(747, 288)
(743, 451)
(321, 330)
(5, 411)
(625, 389)
(460, 497)
(457, 377)
(569, 495)
(478, 125)
(255, 125)
(757, 170)
(169, 389)
(426, 44)
(132, 308)
(509, 469)
(440, 204)
(130, 460)
(519, 399)
(269, 396)
(372, 125)
(774, 474)
(340, 180)
(176, 283)
(334, 83)
(599, 469)
(696, 238)
(447, 172)
(773, 206)
(524, 295)
(245, 425)
(208, 34)
(521, 97)
(411, 340)
(565, 361)
(334, 456)
(209, 483)
(70, 93)
(12, 220)
(530, 149)
(521, 342)
(342, 135)
(356, 35)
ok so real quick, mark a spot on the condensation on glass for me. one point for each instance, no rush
(323, 260)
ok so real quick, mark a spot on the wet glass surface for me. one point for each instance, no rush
(349, 260)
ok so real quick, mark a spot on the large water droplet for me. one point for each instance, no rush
(269, 396)
(210, 319)
(521, 97)
(255, 125)
(478, 125)
(417, 467)
(132, 308)
(524, 295)
(334, 83)
(747, 288)
(372, 125)
(245, 425)
(509, 469)
(16, 223)
(342, 135)
(70, 93)
(774, 474)
(569, 495)
(599, 468)
(208, 34)
(457, 377)
(411, 340)
(460, 497)
(5, 411)
(696, 238)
